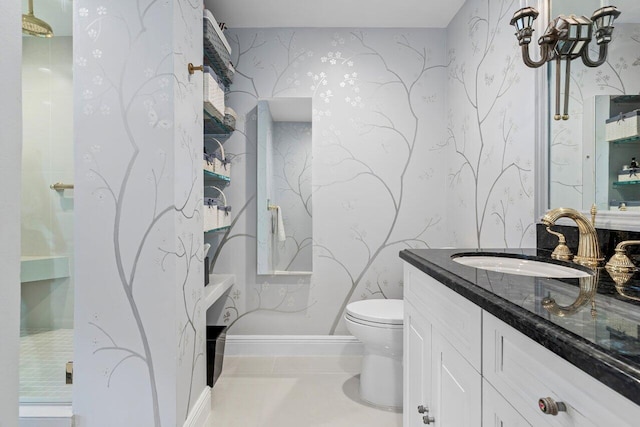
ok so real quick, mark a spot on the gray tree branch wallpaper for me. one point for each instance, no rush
(139, 316)
(490, 135)
(416, 144)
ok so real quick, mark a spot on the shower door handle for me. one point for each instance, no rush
(69, 372)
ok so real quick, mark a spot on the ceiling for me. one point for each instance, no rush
(331, 13)
(334, 13)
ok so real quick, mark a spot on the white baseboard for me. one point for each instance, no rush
(46, 416)
(292, 345)
(201, 410)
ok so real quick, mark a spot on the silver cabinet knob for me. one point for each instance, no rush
(424, 410)
(550, 407)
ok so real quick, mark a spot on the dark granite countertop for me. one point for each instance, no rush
(588, 322)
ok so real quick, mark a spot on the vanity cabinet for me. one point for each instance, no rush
(470, 368)
(441, 356)
(524, 371)
(497, 412)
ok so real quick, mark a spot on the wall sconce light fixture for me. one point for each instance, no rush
(566, 38)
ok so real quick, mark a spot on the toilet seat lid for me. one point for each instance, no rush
(387, 311)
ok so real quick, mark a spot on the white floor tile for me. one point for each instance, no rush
(298, 391)
(236, 365)
(43, 356)
(319, 365)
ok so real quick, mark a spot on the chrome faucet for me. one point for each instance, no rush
(588, 249)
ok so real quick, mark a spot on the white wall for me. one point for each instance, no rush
(10, 164)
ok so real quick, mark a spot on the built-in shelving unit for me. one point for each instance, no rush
(631, 139)
(217, 230)
(625, 183)
(216, 131)
(214, 126)
(218, 285)
(214, 176)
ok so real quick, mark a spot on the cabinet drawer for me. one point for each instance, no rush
(497, 412)
(523, 371)
(455, 317)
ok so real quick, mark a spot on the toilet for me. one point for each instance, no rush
(378, 325)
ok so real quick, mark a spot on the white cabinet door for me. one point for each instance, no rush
(457, 387)
(497, 412)
(417, 366)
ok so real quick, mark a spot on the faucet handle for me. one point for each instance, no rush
(620, 262)
(594, 211)
(562, 251)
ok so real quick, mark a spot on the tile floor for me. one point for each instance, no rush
(43, 355)
(294, 391)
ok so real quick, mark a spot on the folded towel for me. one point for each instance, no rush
(282, 236)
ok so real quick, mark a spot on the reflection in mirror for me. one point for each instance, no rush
(284, 159)
(575, 177)
(617, 152)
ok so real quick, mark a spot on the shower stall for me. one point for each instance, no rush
(47, 285)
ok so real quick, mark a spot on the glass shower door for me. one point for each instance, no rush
(47, 295)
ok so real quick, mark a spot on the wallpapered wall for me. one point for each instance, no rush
(414, 146)
(619, 75)
(139, 318)
(490, 129)
(378, 179)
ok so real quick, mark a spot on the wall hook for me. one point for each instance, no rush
(192, 68)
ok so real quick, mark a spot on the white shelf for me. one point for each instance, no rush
(218, 285)
(35, 268)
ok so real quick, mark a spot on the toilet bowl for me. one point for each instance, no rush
(378, 325)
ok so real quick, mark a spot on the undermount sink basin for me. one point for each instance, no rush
(520, 265)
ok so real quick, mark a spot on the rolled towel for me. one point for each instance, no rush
(282, 236)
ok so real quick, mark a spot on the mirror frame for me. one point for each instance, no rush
(628, 221)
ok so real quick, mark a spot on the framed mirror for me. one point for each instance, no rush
(284, 178)
(579, 154)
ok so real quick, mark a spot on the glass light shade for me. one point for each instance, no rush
(573, 34)
(577, 48)
(524, 18)
(524, 22)
(605, 16)
(603, 21)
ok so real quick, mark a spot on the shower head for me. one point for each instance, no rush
(34, 26)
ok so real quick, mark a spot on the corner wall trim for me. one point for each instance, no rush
(201, 410)
(292, 345)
